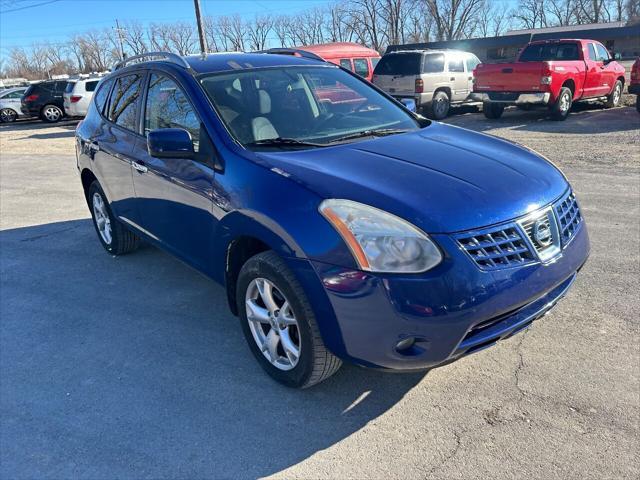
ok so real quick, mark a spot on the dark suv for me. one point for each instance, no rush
(45, 100)
(343, 226)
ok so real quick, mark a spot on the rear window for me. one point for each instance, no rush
(550, 51)
(399, 64)
(70, 86)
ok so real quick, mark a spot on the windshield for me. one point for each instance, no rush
(307, 106)
(550, 51)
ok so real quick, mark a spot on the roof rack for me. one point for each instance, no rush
(293, 51)
(150, 56)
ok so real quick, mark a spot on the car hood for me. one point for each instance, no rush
(442, 179)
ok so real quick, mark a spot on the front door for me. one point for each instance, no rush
(174, 195)
(594, 81)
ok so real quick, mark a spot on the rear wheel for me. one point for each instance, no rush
(51, 114)
(8, 115)
(613, 99)
(562, 106)
(492, 110)
(113, 236)
(279, 324)
(439, 106)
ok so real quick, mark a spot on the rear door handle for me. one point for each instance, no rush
(139, 167)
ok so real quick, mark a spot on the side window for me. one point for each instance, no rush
(361, 66)
(61, 86)
(168, 107)
(346, 63)
(17, 94)
(592, 53)
(603, 54)
(433, 63)
(374, 62)
(90, 86)
(124, 102)
(455, 65)
(472, 62)
(103, 92)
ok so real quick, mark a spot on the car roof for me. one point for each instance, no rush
(431, 50)
(223, 62)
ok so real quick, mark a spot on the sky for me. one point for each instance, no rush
(23, 22)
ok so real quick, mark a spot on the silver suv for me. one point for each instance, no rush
(433, 79)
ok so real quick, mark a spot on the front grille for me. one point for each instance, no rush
(569, 217)
(497, 247)
(542, 231)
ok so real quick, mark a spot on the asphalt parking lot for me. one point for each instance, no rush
(132, 367)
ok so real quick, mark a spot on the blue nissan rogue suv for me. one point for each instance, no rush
(343, 226)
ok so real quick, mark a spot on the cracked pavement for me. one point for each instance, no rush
(132, 367)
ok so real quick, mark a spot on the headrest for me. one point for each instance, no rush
(264, 102)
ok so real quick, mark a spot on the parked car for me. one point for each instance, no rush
(634, 82)
(77, 96)
(433, 79)
(335, 235)
(353, 57)
(551, 73)
(44, 100)
(10, 109)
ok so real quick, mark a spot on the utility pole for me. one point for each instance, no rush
(203, 40)
(119, 32)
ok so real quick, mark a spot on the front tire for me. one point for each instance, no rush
(8, 115)
(279, 324)
(492, 110)
(51, 114)
(562, 106)
(613, 99)
(113, 236)
(439, 106)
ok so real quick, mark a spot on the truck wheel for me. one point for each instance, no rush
(613, 99)
(113, 236)
(492, 110)
(439, 106)
(562, 106)
(279, 323)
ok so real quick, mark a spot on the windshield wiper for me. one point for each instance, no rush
(280, 141)
(380, 132)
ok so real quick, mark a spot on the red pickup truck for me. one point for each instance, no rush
(634, 83)
(554, 73)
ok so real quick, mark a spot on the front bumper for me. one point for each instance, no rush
(453, 310)
(535, 98)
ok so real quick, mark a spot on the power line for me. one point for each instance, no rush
(29, 6)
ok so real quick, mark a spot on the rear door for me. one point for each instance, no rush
(113, 144)
(175, 194)
(396, 73)
(457, 77)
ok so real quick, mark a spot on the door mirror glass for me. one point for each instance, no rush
(170, 143)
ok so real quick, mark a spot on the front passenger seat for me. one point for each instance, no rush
(261, 127)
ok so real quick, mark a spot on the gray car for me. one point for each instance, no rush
(433, 79)
(10, 104)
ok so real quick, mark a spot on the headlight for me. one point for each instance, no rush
(380, 241)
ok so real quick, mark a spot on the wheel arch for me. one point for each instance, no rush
(571, 85)
(87, 177)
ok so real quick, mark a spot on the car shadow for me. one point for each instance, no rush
(37, 124)
(584, 119)
(114, 366)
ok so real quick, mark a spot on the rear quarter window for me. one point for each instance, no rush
(91, 86)
(345, 63)
(399, 64)
(433, 63)
(69, 87)
(100, 98)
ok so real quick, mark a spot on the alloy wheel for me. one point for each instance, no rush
(616, 95)
(273, 324)
(52, 114)
(102, 218)
(564, 102)
(7, 115)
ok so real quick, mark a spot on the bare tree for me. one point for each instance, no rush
(491, 20)
(134, 36)
(454, 19)
(258, 31)
(531, 13)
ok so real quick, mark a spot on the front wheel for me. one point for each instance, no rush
(279, 324)
(113, 236)
(613, 99)
(492, 110)
(439, 106)
(562, 106)
(8, 115)
(51, 114)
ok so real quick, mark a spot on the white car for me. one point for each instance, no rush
(77, 96)
(10, 104)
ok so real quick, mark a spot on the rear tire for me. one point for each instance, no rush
(51, 114)
(113, 236)
(439, 106)
(562, 106)
(492, 110)
(8, 115)
(613, 99)
(313, 363)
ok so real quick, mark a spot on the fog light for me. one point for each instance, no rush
(405, 343)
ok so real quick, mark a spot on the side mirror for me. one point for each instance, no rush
(170, 143)
(608, 61)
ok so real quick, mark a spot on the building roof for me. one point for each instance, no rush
(567, 28)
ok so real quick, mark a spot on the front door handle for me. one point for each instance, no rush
(139, 167)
